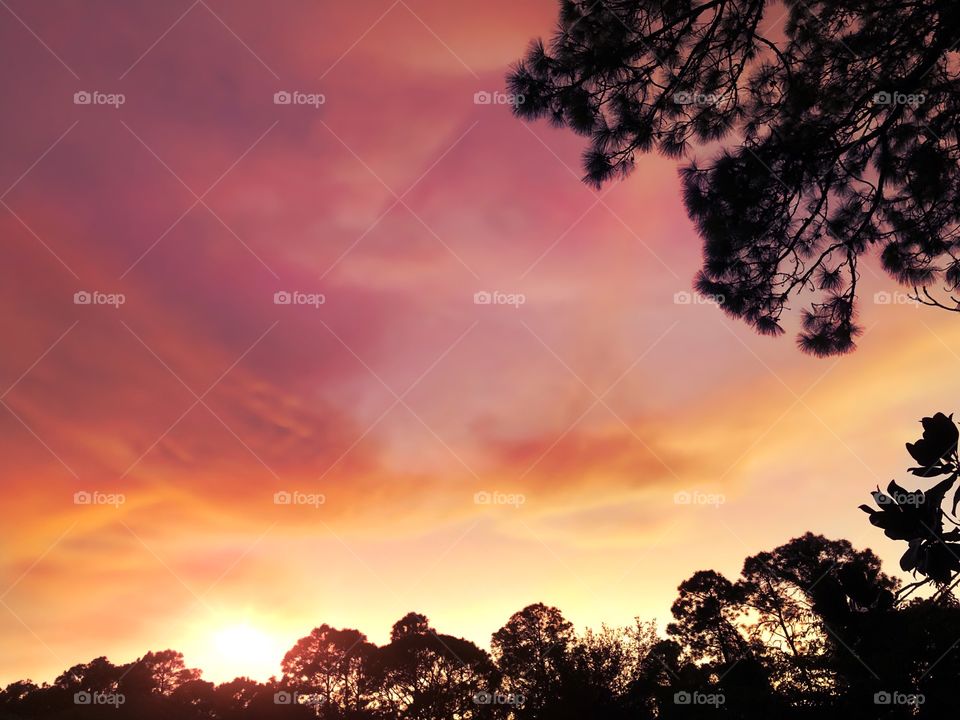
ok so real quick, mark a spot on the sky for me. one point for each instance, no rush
(248, 386)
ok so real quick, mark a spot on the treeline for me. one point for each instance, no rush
(813, 628)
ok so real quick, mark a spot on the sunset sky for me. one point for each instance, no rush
(580, 412)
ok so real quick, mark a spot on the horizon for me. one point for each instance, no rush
(309, 328)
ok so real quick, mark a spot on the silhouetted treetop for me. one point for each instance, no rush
(410, 624)
(937, 448)
(838, 131)
(808, 630)
(531, 652)
(706, 614)
(919, 517)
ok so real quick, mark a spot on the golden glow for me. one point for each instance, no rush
(239, 650)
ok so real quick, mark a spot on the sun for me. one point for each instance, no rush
(239, 649)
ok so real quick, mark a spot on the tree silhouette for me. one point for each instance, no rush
(706, 614)
(810, 629)
(531, 651)
(919, 518)
(161, 673)
(838, 135)
(599, 669)
(233, 700)
(801, 596)
(334, 667)
(424, 675)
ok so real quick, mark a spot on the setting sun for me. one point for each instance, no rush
(239, 650)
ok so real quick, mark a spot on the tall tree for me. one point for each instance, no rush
(531, 651)
(159, 673)
(803, 597)
(838, 129)
(333, 666)
(600, 670)
(706, 615)
(425, 675)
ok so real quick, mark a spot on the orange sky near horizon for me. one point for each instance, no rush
(458, 459)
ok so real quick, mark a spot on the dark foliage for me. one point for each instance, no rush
(837, 129)
(810, 629)
(919, 518)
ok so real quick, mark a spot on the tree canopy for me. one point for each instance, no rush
(811, 628)
(832, 132)
(926, 519)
